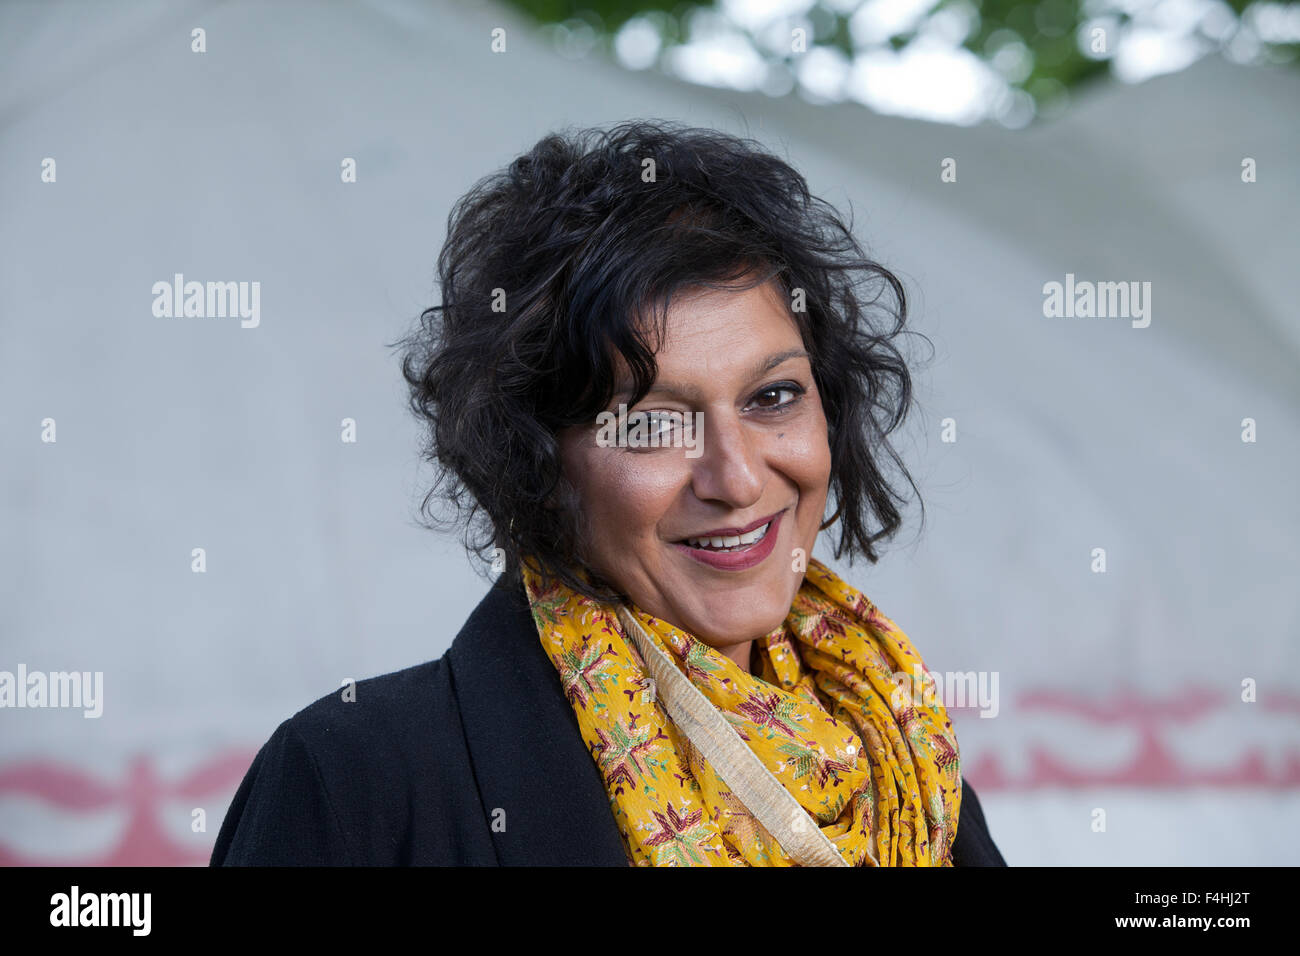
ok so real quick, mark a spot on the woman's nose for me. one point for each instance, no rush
(730, 466)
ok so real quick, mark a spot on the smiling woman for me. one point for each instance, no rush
(663, 674)
(737, 359)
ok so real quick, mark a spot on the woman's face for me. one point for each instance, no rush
(761, 460)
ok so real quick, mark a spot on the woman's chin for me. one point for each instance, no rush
(725, 628)
(743, 614)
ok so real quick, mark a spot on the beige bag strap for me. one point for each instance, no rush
(752, 783)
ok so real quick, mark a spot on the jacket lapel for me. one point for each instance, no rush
(542, 794)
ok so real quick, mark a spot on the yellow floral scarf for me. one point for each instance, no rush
(828, 685)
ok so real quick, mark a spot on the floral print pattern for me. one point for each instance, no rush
(878, 773)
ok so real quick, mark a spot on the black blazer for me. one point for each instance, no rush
(473, 759)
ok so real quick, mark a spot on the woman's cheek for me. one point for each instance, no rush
(804, 456)
(641, 485)
(803, 450)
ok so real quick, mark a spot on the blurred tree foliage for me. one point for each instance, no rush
(1049, 29)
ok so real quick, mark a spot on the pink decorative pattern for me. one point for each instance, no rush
(144, 842)
(1243, 761)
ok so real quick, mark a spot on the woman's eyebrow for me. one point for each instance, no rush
(692, 393)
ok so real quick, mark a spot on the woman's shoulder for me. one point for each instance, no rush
(340, 782)
(376, 713)
(379, 771)
(384, 711)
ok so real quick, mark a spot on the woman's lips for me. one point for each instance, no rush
(741, 558)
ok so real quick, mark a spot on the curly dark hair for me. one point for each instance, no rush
(563, 256)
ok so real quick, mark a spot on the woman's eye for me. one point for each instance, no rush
(653, 429)
(659, 424)
(765, 398)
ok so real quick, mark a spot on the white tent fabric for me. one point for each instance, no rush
(1119, 690)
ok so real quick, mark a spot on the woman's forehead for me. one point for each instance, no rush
(734, 344)
(721, 323)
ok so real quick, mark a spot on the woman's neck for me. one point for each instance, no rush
(745, 655)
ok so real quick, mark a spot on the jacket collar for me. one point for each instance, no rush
(539, 785)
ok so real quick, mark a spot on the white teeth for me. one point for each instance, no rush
(731, 541)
